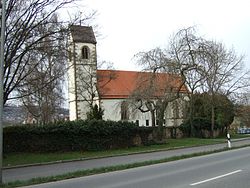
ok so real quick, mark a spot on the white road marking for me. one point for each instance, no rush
(217, 177)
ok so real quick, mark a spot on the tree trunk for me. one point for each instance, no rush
(153, 117)
(191, 117)
(212, 121)
(160, 117)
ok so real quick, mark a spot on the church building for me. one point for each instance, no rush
(123, 95)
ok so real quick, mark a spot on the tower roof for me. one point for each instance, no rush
(83, 34)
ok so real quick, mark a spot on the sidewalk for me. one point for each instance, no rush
(29, 172)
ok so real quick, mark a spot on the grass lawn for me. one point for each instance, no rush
(31, 158)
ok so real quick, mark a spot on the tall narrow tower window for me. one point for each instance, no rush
(70, 55)
(85, 52)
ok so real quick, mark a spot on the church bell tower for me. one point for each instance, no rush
(82, 62)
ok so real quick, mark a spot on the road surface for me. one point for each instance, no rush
(230, 169)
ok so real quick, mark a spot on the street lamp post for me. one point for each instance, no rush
(3, 8)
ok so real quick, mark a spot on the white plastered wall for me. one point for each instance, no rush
(112, 111)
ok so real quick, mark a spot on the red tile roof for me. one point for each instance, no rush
(115, 84)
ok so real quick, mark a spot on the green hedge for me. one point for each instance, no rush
(72, 136)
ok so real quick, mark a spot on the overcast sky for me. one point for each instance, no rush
(131, 26)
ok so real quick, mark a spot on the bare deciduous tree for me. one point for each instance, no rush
(203, 66)
(26, 32)
(43, 102)
(184, 50)
(159, 86)
(223, 72)
(207, 66)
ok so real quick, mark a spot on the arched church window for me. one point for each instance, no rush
(85, 52)
(176, 113)
(124, 111)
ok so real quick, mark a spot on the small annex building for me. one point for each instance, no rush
(121, 94)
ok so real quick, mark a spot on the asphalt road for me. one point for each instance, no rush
(230, 169)
(26, 173)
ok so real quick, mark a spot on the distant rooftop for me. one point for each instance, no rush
(83, 34)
